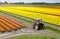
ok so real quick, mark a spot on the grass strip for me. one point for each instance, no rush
(33, 37)
(10, 14)
(53, 29)
(46, 27)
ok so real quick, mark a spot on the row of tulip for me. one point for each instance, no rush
(31, 12)
(7, 24)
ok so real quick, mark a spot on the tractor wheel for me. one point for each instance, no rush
(36, 27)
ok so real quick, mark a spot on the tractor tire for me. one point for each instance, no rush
(36, 27)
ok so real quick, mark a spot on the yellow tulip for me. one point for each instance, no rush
(31, 12)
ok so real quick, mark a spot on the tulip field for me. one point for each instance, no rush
(18, 19)
(7, 24)
(50, 15)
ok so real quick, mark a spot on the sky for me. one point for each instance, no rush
(29, 1)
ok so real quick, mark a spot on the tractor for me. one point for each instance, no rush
(38, 25)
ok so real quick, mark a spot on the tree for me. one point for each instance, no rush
(6, 2)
